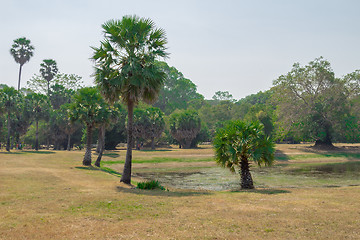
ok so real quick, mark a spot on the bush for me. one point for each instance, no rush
(152, 184)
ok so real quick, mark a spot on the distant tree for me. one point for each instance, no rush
(240, 142)
(48, 70)
(178, 92)
(125, 67)
(148, 124)
(9, 105)
(223, 95)
(39, 105)
(311, 101)
(88, 107)
(22, 51)
(59, 95)
(184, 126)
(69, 82)
(116, 131)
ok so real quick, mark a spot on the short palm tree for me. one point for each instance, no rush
(89, 107)
(48, 70)
(125, 68)
(238, 143)
(22, 51)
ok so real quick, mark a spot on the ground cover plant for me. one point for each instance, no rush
(52, 196)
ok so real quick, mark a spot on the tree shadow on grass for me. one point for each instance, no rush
(28, 151)
(281, 156)
(102, 169)
(162, 193)
(112, 155)
(267, 191)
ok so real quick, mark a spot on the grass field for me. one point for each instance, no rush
(307, 194)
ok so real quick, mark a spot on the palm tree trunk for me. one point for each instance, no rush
(19, 77)
(37, 136)
(8, 134)
(87, 157)
(246, 179)
(101, 144)
(126, 176)
(68, 143)
(48, 88)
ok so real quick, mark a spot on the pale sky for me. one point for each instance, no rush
(236, 46)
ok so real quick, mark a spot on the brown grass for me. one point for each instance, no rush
(50, 196)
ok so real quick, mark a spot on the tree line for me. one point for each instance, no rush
(140, 100)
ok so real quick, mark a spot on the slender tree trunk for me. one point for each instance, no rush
(246, 179)
(8, 134)
(152, 143)
(68, 143)
(19, 77)
(126, 176)
(48, 88)
(37, 136)
(87, 157)
(101, 143)
(100, 139)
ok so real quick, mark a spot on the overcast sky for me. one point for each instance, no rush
(236, 46)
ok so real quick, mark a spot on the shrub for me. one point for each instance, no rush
(152, 184)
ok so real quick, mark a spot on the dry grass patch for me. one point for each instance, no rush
(50, 196)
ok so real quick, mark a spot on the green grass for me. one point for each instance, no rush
(160, 160)
(284, 157)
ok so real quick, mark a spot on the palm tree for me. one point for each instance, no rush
(48, 70)
(39, 104)
(125, 68)
(237, 143)
(90, 108)
(22, 51)
(9, 101)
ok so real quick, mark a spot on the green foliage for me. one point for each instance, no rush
(311, 101)
(240, 142)
(125, 67)
(48, 70)
(178, 92)
(238, 139)
(22, 51)
(150, 185)
(89, 107)
(184, 126)
(61, 82)
(223, 96)
(125, 61)
(148, 123)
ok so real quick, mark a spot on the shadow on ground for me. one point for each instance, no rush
(28, 151)
(103, 169)
(262, 191)
(163, 193)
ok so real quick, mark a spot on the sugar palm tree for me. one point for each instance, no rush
(238, 143)
(22, 51)
(39, 104)
(89, 107)
(10, 100)
(48, 70)
(125, 68)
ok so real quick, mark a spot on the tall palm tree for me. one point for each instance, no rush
(48, 70)
(125, 68)
(10, 99)
(39, 104)
(238, 143)
(22, 51)
(89, 107)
